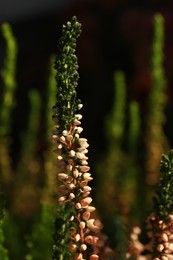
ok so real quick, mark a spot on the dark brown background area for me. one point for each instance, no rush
(116, 35)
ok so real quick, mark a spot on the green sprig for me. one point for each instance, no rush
(67, 75)
(163, 201)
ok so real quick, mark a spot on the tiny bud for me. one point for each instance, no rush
(86, 201)
(69, 167)
(84, 168)
(71, 196)
(87, 188)
(69, 138)
(76, 122)
(65, 133)
(60, 146)
(160, 248)
(78, 116)
(80, 106)
(89, 239)
(59, 157)
(71, 218)
(62, 199)
(62, 139)
(164, 237)
(71, 186)
(72, 153)
(77, 136)
(86, 215)
(83, 247)
(76, 237)
(80, 155)
(62, 176)
(86, 194)
(78, 206)
(72, 247)
(83, 183)
(82, 225)
(84, 162)
(75, 173)
(79, 129)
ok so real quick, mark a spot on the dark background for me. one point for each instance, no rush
(116, 35)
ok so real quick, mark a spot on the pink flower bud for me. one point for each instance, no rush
(69, 167)
(62, 199)
(59, 157)
(91, 225)
(72, 153)
(86, 215)
(76, 122)
(62, 139)
(72, 247)
(86, 188)
(79, 129)
(86, 201)
(164, 237)
(78, 206)
(71, 186)
(83, 247)
(65, 133)
(84, 162)
(84, 168)
(69, 138)
(83, 183)
(90, 209)
(62, 176)
(160, 248)
(89, 239)
(71, 196)
(82, 225)
(75, 173)
(76, 237)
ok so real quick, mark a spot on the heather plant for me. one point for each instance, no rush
(74, 223)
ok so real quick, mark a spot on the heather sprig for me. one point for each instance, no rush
(160, 222)
(76, 227)
(67, 75)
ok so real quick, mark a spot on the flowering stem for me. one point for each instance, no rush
(72, 164)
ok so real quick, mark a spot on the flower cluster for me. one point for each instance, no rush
(160, 233)
(73, 173)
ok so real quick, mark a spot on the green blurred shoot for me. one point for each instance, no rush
(6, 106)
(8, 74)
(156, 142)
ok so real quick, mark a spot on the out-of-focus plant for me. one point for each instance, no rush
(115, 123)
(3, 250)
(7, 74)
(156, 141)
